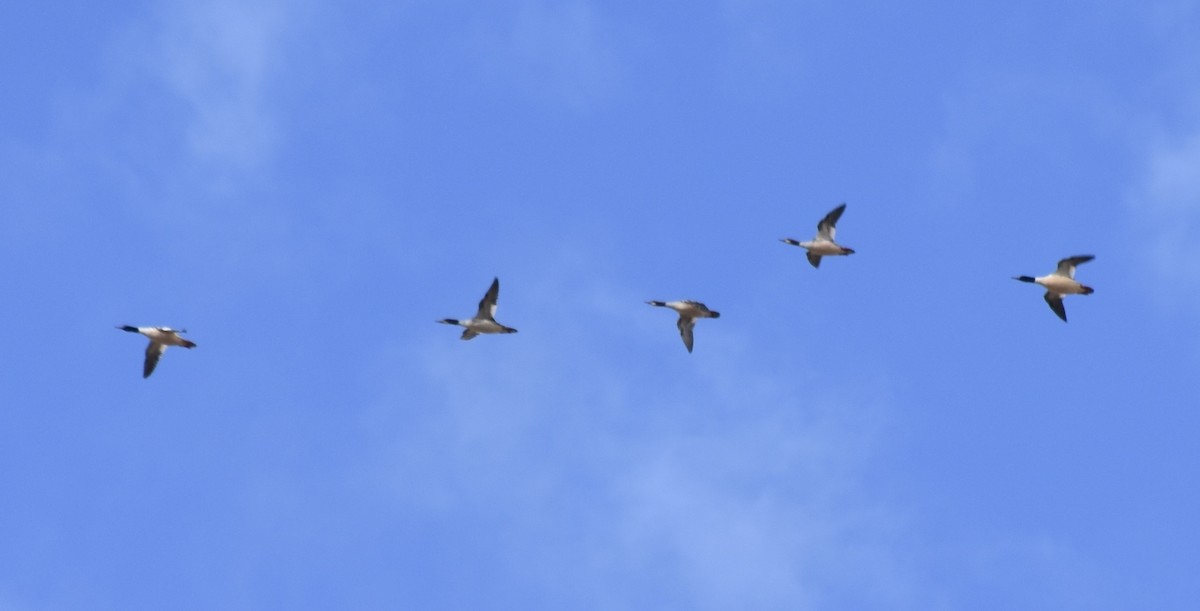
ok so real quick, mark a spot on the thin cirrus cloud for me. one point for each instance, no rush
(1167, 206)
(178, 100)
(727, 485)
(219, 59)
(181, 127)
(561, 53)
(175, 107)
(1164, 197)
(761, 59)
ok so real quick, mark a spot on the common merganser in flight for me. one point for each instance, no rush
(689, 311)
(1061, 282)
(823, 244)
(160, 338)
(483, 321)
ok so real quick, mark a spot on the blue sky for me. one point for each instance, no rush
(306, 186)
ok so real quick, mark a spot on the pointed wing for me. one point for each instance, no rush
(487, 305)
(826, 229)
(815, 260)
(153, 352)
(1056, 304)
(686, 324)
(468, 333)
(1066, 267)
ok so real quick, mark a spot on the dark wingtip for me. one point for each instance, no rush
(1023, 278)
(657, 303)
(716, 314)
(848, 251)
(127, 328)
(447, 321)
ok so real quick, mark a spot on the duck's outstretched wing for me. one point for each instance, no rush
(827, 228)
(686, 324)
(1056, 303)
(487, 305)
(154, 351)
(1066, 267)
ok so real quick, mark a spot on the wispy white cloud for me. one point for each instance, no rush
(189, 89)
(7, 604)
(762, 59)
(999, 112)
(182, 126)
(1164, 199)
(175, 123)
(1166, 207)
(764, 513)
(219, 58)
(730, 488)
(557, 52)
(1036, 571)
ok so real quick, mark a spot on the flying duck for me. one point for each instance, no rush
(823, 244)
(1061, 282)
(689, 311)
(483, 321)
(160, 338)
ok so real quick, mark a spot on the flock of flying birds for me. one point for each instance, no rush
(1059, 283)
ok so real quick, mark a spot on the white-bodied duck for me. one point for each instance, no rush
(484, 321)
(160, 338)
(689, 311)
(823, 244)
(1061, 282)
